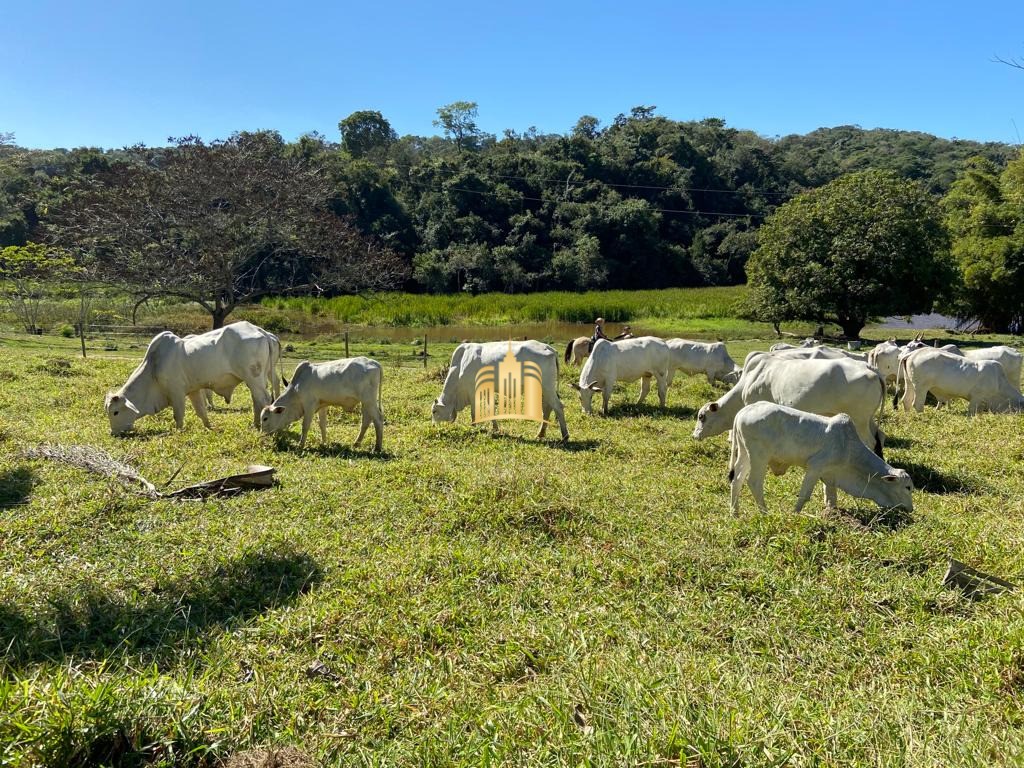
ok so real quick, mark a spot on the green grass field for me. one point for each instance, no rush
(469, 599)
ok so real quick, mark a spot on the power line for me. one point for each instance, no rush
(570, 181)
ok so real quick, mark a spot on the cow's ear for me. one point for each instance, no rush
(114, 398)
(713, 407)
(891, 478)
(574, 386)
(278, 409)
(594, 388)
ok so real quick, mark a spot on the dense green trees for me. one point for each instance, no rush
(643, 202)
(867, 244)
(985, 216)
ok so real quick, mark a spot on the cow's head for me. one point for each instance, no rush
(709, 419)
(732, 376)
(441, 412)
(121, 412)
(894, 489)
(586, 395)
(274, 418)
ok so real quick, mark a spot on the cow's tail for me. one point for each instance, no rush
(881, 404)
(568, 350)
(734, 449)
(275, 366)
(380, 392)
(899, 377)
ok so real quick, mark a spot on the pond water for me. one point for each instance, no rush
(933, 321)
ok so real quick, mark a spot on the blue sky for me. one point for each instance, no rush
(116, 73)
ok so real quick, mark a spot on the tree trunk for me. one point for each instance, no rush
(218, 313)
(851, 327)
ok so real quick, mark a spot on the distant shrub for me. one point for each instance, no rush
(67, 331)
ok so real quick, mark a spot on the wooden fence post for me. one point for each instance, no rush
(81, 335)
(424, 350)
(346, 343)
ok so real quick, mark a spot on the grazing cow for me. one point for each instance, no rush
(776, 437)
(459, 390)
(174, 368)
(317, 386)
(983, 383)
(628, 360)
(885, 358)
(1008, 357)
(825, 387)
(695, 357)
(577, 350)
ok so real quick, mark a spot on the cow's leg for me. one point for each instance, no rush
(755, 481)
(662, 390)
(260, 398)
(606, 393)
(322, 416)
(973, 406)
(811, 478)
(364, 425)
(199, 403)
(307, 422)
(208, 396)
(378, 428)
(645, 387)
(738, 474)
(831, 499)
(918, 399)
(178, 407)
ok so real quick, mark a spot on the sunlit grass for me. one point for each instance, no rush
(470, 599)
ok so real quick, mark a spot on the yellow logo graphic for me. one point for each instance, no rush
(509, 390)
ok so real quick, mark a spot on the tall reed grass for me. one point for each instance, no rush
(406, 309)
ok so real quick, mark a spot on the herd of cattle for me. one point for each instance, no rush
(811, 406)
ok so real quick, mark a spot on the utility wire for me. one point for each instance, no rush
(569, 181)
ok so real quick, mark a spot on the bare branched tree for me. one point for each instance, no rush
(220, 224)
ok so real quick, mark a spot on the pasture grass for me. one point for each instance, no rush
(471, 599)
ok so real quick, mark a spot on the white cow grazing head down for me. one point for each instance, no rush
(768, 436)
(121, 412)
(643, 358)
(349, 383)
(469, 359)
(174, 370)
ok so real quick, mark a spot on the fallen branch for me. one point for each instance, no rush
(99, 462)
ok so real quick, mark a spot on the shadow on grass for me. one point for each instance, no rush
(289, 443)
(92, 623)
(16, 486)
(875, 518)
(655, 411)
(899, 442)
(933, 481)
(573, 446)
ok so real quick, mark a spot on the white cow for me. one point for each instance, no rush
(807, 343)
(770, 436)
(885, 358)
(628, 360)
(695, 357)
(351, 382)
(983, 383)
(272, 372)
(459, 387)
(825, 387)
(1008, 357)
(174, 368)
